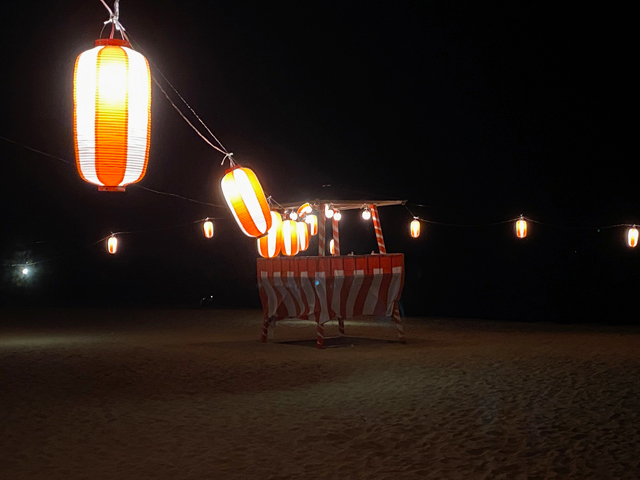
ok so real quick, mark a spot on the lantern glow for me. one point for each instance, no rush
(112, 114)
(332, 247)
(303, 235)
(112, 244)
(415, 228)
(632, 237)
(366, 214)
(337, 215)
(290, 246)
(328, 211)
(208, 228)
(247, 201)
(304, 209)
(521, 228)
(293, 215)
(312, 221)
(269, 245)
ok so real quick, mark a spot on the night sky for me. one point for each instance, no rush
(478, 113)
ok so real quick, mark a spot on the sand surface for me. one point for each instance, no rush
(192, 394)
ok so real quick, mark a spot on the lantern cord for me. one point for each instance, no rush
(178, 196)
(114, 18)
(35, 150)
(460, 224)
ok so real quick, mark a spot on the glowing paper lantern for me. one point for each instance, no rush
(246, 200)
(328, 211)
(366, 214)
(293, 215)
(332, 247)
(303, 235)
(111, 114)
(521, 228)
(304, 209)
(415, 228)
(290, 245)
(632, 237)
(269, 245)
(312, 221)
(112, 244)
(337, 215)
(208, 228)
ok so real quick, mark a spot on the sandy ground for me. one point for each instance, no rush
(188, 394)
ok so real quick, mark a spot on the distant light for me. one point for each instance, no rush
(337, 215)
(366, 214)
(332, 247)
(632, 237)
(415, 228)
(25, 271)
(208, 228)
(293, 215)
(521, 227)
(312, 220)
(112, 244)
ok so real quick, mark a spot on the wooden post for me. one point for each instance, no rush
(335, 233)
(321, 227)
(265, 329)
(398, 321)
(341, 325)
(319, 335)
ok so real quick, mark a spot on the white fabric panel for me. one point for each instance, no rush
(292, 286)
(338, 280)
(372, 295)
(271, 294)
(286, 298)
(85, 86)
(309, 294)
(394, 289)
(321, 289)
(138, 115)
(358, 277)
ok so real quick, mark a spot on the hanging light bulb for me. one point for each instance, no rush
(290, 246)
(111, 114)
(25, 271)
(337, 215)
(521, 227)
(366, 213)
(304, 209)
(269, 245)
(632, 237)
(293, 216)
(246, 200)
(303, 235)
(208, 228)
(112, 244)
(332, 247)
(415, 227)
(328, 211)
(312, 221)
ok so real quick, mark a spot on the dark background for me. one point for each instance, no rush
(477, 111)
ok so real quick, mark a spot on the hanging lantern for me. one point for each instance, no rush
(304, 209)
(208, 228)
(246, 200)
(521, 227)
(337, 215)
(632, 237)
(111, 114)
(303, 235)
(415, 228)
(312, 221)
(290, 245)
(269, 245)
(328, 211)
(366, 213)
(293, 216)
(332, 247)
(112, 244)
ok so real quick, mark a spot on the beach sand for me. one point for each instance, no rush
(192, 394)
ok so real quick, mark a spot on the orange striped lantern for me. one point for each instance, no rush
(112, 244)
(632, 237)
(112, 114)
(247, 201)
(303, 235)
(290, 246)
(332, 247)
(208, 228)
(521, 228)
(312, 221)
(269, 245)
(415, 228)
(304, 209)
